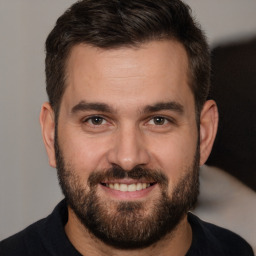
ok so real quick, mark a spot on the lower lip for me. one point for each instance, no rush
(120, 195)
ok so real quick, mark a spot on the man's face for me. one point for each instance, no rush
(127, 141)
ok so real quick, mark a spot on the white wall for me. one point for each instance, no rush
(225, 20)
(28, 187)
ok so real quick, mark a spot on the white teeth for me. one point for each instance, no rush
(123, 187)
(116, 186)
(139, 186)
(131, 187)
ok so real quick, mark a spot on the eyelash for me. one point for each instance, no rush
(165, 120)
(94, 117)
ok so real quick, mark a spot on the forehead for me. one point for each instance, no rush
(154, 70)
(151, 56)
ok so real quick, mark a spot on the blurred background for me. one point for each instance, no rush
(28, 186)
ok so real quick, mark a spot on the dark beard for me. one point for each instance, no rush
(128, 225)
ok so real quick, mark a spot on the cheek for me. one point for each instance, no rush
(85, 153)
(174, 155)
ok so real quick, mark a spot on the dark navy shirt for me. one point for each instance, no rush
(47, 237)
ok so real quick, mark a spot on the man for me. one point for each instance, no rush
(127, 127)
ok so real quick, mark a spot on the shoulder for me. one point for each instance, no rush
(214, 240)
(40, 238)
(24, 242)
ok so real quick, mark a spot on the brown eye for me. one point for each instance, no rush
(95, 120)
(159, 120)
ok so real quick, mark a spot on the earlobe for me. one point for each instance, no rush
(208, 129)
(47, 122)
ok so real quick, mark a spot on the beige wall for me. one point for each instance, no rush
(28, 187)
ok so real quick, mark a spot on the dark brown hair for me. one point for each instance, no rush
(115, 23)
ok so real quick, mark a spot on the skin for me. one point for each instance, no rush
(127, 81)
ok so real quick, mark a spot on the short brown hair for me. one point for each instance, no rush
(115, 23)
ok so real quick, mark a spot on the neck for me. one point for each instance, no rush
(177, 243)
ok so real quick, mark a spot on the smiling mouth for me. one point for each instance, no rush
(128, 187)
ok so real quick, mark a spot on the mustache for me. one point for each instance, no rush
(137, 173)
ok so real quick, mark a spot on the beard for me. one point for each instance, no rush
(128, 224)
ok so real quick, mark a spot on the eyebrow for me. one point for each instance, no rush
(102, 107)
(172, 105)
(84, 106)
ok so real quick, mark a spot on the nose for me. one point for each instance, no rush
(128, 149)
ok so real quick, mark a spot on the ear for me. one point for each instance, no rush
(47, 122)
(208, 128)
